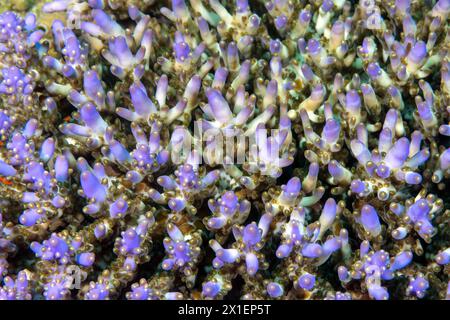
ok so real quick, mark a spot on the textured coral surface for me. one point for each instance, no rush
(211, 149)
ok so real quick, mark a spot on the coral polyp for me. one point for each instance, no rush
(210, 149)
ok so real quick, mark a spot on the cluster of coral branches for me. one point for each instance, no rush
(342, 192)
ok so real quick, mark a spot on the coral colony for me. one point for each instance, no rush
(207, 149)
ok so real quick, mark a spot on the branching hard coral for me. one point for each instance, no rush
(183, 251)
(227, 211)
(249, 240)
(207, 149)
(18, 37)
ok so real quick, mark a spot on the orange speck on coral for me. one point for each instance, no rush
(5, 181)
